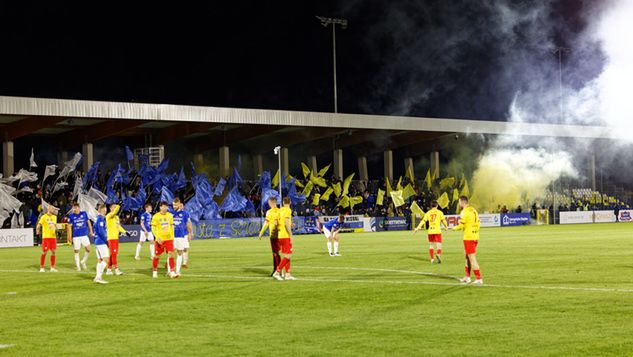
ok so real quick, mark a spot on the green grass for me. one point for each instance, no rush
(556, 290)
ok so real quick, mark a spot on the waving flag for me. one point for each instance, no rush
(88, 179)
(396, 196)
(305, 169)
(326, 195)
(323, 170)
(219, 188)
(318, 181)
(129, 155)
(233, 202)
(353, 201)
(408, 191)
(346, 183)
(32, 159)
(264, 180)
(166, 196)
(163, 166)
(70, 165)
(415, 209)
(235, 178)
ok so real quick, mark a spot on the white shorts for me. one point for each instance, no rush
(79, 241)
(181, 243)
(103, 252)
(146, 236)
(327, 232)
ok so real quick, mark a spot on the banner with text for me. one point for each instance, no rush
(20, 237)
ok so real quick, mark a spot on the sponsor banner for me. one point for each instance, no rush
(380, 224)
(452, 220)
(603, 216)
(515, 219)
(367, 224)
(576, 217)
(20, 237)
(352, 223)
(625, 215)
(490, 220)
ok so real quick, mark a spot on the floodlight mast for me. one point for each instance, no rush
(277, 151)
(559, 51)
(327, 21)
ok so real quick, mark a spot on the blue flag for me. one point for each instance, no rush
(220, 187)
(233, 202)
(128, 153)
(235, 178)
(195, 209)
(91, 175)
(162, 166)
(166, 196)
(264, 180)
(295, 198)
(111, 196)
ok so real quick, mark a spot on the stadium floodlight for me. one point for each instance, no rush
(277, 151)
(559, 51)
(327, 21)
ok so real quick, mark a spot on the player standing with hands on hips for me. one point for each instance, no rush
(469, 223)
(146, 232)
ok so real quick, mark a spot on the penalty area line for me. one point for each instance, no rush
(370, 281)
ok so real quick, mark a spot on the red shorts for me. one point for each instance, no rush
(49, 244)
(274, 245)
(167, 246)
(470, 246)
(435, 238)
(285, 245)
(113, 244)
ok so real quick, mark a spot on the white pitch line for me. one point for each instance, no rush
(5, 346)
(365, 281)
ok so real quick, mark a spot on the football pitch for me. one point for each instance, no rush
(549, 290)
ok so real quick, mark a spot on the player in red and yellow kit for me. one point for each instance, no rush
(114, 229)
(469, 223)
(271, 223)
(47, 225)
(435, 217)
(163, 230)
(285, 241)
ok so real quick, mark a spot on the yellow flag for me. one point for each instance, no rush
(447, 182)
(410, 175)
(307, 189)
(315, 199)
(305, 169)
(323, 171)
(344, 202)
(428, 179)
(380, 197)
(353, 201)
(443, 200)
(465, 190)
(346, 183)
(318, 181)
(396, 196)
(275, 181)
(388, 184)
(455, 195)
(297, 183)
(337, 189)
(399, 185)
(326, 195)
(408, 191)
(415, 209)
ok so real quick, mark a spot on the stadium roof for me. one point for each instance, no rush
(208, 127)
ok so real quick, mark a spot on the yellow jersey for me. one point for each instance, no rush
(163, 226)
(469, 223)
(272, 220)
(113, 224)
(284, 213)
(435, 217)
(49, 225)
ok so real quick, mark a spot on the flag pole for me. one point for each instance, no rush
(277, 151)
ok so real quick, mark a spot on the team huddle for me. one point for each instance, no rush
(171, 230)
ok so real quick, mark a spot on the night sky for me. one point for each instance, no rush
(393, 58)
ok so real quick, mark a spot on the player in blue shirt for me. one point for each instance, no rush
(101, 244)
(331, 229)
(146, 232)
(182, 234)
(81, 228)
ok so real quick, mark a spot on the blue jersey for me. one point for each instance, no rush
(180, 223)
(80, 224)
(333, 225)
(146, 220)
(101, 234)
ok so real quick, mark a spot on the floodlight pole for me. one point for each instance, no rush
(277, 151)
(559, 51)
(326, 21)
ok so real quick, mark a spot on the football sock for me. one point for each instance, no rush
(114, 262)
(431, 253)
(155, 263)
(287, 266)
(185, 257)
(42, 260)
(77, 260)
(52, 261)
(151, 251)
(138, 250)
(335, 247)
(477, 274)
(178, 263)
(439, 252)
(468, 272)
(284, 261)
(85, 258)
(276, 260)
(171, 264)
(329, 247)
